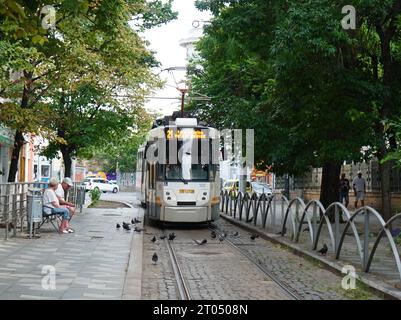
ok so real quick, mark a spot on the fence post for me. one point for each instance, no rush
(314, 221)
(274, 212)
(336, 228)
(366, 239)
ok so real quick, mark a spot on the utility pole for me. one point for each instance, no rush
(183, 92)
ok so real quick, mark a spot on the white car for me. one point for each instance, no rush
(261, 187)
(100, 184)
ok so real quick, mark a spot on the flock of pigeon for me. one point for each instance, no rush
(127, 226)
(213, 235)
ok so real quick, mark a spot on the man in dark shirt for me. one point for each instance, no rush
(344, 189)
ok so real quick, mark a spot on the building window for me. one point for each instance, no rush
(45, 170)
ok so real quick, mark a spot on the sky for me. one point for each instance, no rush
(164, 40)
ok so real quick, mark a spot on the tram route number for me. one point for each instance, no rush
(202, 309)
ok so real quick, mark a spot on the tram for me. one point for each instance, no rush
(178, 177)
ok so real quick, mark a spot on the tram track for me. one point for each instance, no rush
(277, 281)
(182, 287)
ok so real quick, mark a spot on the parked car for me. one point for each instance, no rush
(234, 185)
(100, 184)
(261, 187)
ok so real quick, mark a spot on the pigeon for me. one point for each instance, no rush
(171, 236)
(221, 238)
(224, 235)
(153, 239)
(137, 229)
(235, 234)
(125, 224)
(136, 220)
(118, 226)
(324, 250)
(162, 237)
(132, 221)
(204, 241)
(155, 258)
(254, 236)
(126, 227)
(213, 235)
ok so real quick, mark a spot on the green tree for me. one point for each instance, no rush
(289, 70)
(121, 150)
(59, 59)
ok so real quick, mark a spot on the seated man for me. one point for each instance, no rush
(65, 185)
(51, 205)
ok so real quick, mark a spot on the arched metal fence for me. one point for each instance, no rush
(262, 211)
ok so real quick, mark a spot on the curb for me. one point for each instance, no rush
(377, 285)
(132, 289)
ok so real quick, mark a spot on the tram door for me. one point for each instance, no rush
(152, 191)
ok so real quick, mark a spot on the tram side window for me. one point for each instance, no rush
(159, 172)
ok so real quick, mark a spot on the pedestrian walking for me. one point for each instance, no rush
(344, 189)
(359, 186)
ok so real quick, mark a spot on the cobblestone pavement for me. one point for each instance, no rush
(306, 278)
(158, 280)
(89, 264)
(214, 271)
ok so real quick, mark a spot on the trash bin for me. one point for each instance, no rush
(34, 208)
(81, 193)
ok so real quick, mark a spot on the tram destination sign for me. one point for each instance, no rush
(185, 134)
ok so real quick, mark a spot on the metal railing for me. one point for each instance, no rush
(13, 202)
(295, 214)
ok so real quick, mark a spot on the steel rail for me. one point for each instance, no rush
(183, 289)
(294, 295)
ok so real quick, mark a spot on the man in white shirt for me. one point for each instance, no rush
(51, 205)
(65, 185)
(359, 185)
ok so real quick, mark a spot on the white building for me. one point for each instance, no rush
(44, 168)
(189, 42)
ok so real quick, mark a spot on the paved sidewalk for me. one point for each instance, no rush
(91, 263)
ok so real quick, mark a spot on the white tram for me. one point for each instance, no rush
(178, 172)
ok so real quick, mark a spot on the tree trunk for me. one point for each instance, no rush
(18, 143)
(19, 138)
(329, 189)
(65, 151)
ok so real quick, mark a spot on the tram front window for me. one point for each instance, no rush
(197, 172)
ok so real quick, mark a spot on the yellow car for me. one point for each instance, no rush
(233, 185)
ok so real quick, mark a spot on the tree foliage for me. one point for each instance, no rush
(314, 92)
(92, 55)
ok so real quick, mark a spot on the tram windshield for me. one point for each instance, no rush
(189, 155)
(187, 172)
